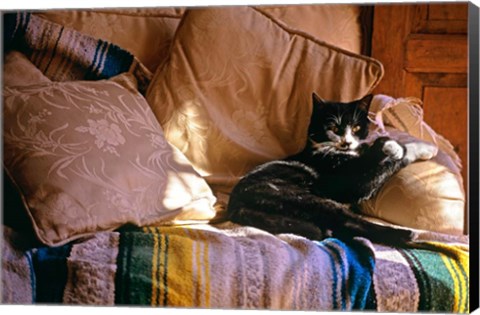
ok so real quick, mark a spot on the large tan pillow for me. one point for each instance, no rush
(237, 89)
(90, 156)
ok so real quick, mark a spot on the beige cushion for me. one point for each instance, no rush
(18, 70)
(336, 24)
(90, 156)
(146, 33)
(427, 195)
(237, 89)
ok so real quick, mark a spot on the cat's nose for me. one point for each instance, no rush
(346, 142)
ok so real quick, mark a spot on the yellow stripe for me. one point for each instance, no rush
(181, 288)
(460, 283)
(189, 245)
(463, 307)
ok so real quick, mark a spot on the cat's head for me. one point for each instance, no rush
(339, 125)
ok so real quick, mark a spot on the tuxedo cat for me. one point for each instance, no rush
(316, 192)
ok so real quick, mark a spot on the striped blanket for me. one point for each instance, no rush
(228, 266)
(63, 54)
(203, 268)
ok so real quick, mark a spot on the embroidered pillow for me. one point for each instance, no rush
(90, 156)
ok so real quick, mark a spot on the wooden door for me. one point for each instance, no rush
(423, 48)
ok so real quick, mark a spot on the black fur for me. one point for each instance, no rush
(316, 192)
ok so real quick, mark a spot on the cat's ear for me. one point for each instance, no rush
(317, 100)
(364, 103)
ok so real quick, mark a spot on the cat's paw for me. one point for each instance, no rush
(420, 151)
(393, 149)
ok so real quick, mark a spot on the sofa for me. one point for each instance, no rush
(125, 130)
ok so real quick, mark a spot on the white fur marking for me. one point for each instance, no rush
(273, 186)
(393, 149)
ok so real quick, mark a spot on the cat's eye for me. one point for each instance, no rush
(356, 128)
(334, 129)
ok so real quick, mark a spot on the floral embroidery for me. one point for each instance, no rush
(34, 120)
(107, 135)
(94, 110)
(157, 141)
(118, 201)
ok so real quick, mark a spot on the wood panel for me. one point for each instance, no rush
(415, 83)
(436, 53)
(440, 19)
(448, 12)
(390, 30)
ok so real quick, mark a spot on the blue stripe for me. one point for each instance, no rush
(356, 267)
(343, 267)
(90, 69)
(100, 57)
(322, 247)
(361, 264)
(117, 61)
(33, 283)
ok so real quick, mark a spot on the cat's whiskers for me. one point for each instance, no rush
(322, 145)
(323, 148)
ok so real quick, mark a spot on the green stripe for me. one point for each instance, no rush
(440, 278)
(433, 277)
(135, 257)
(422, 280)
(121, 282)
